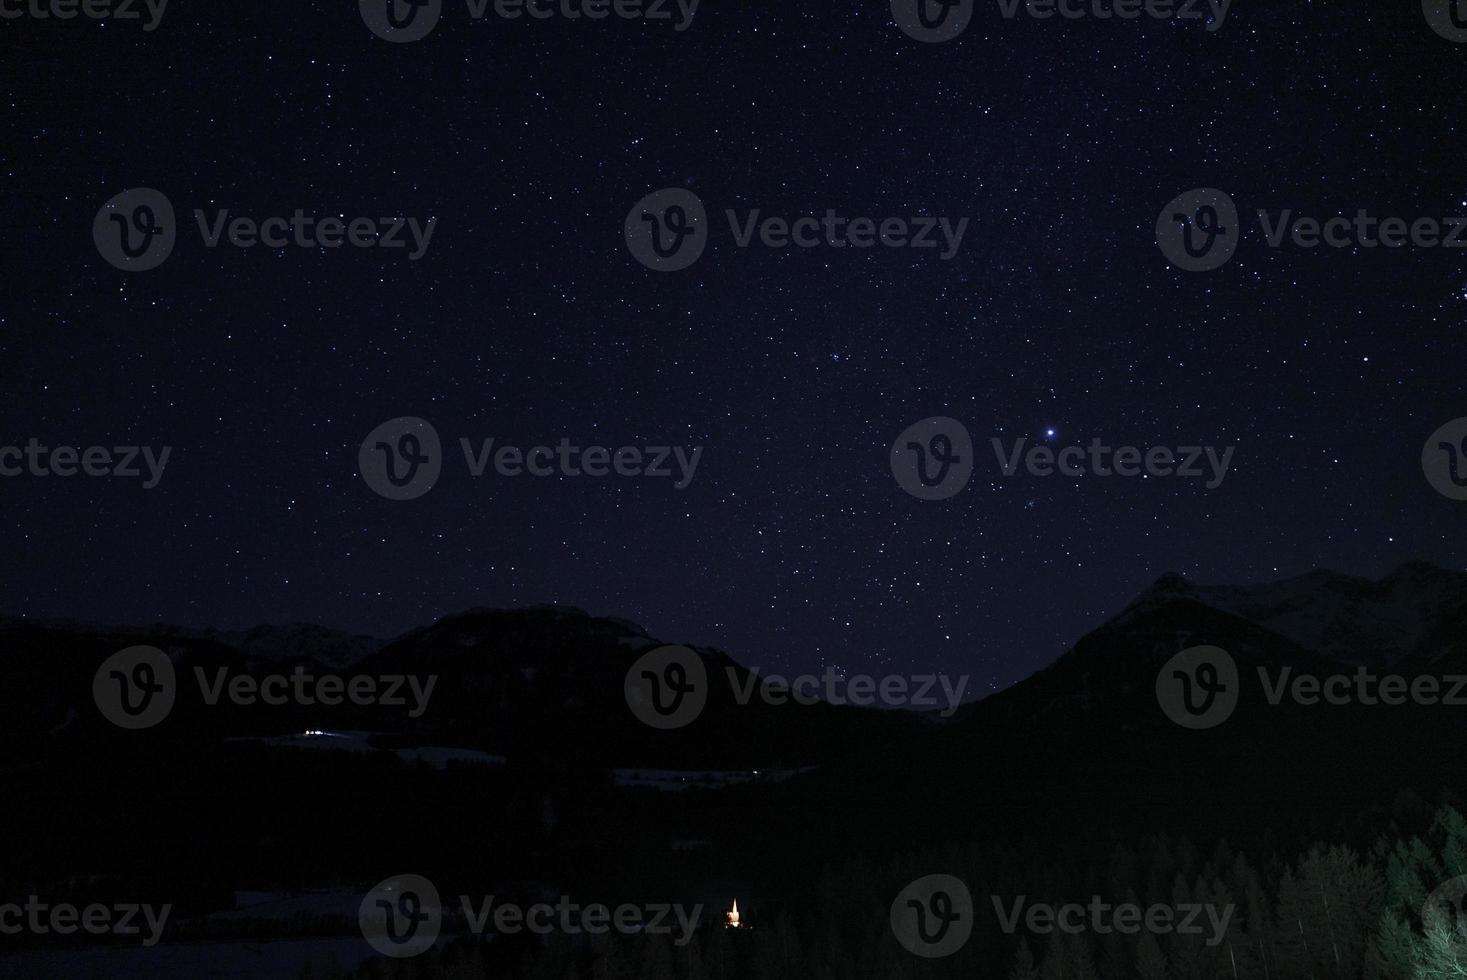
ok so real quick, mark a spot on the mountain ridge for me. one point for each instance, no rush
(1378, 623)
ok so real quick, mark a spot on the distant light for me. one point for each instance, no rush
(731, 918)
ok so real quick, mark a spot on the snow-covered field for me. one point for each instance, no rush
(436, 756)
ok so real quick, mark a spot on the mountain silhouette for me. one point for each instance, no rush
(517, 777)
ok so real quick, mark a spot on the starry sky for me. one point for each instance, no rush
(528, 320)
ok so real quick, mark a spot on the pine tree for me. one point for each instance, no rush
(1412, 941)
(656, 959)
(1186, 955)
(1053, 967)
(1150, 961)
(1079, 964)
(1024, 968)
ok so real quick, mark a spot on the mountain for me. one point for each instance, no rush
(303, 643)
(1084, 743)
(60, 656)
(541, 686)
(537, 692)
(1408, 614)
(1069, 763)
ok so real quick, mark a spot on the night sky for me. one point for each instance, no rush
(528, 320)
